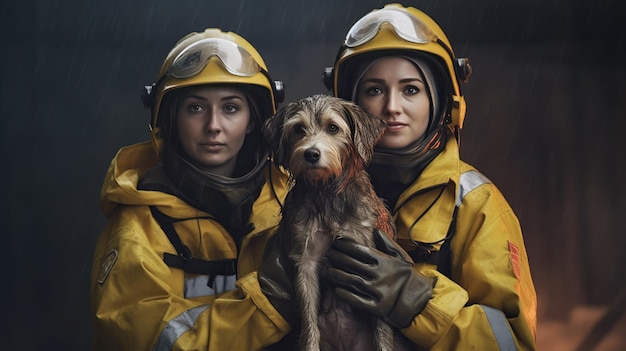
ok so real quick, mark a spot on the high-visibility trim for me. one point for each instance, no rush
(469, 181)
(177, 327)
(500, 328)
(497, 320)
(205, 285)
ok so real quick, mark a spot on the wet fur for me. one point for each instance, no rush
(332, 195)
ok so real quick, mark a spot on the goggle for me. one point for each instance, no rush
(194, 58)
(407, 27)
(404, 24)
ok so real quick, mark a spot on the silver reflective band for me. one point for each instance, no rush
(500, 328)
(198, 286)
(195, 57)
(469, 181)
(404, 24)
(177, 327)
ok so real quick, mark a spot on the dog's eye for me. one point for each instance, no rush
(333, 129)
(298, 129)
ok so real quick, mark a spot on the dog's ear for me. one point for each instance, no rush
(274, 132)
(366, 129)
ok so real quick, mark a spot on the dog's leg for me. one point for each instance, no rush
(384, 336)
(307, 288)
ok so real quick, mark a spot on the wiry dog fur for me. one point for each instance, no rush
(325, 143)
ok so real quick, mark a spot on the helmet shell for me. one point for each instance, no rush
(386, 39)
(213, 73)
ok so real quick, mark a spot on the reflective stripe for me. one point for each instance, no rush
(500, 328)
(177, 327)
(469, 181)
(199, 286)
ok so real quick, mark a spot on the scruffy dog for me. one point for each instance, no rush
(325, 143)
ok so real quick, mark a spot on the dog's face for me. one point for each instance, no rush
(317, 137)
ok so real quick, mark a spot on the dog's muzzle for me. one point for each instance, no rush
(312, 155)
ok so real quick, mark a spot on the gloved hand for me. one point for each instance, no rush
(381, 281)
(276, 276)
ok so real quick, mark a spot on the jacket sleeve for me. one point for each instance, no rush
(138, 302)
(491, 303)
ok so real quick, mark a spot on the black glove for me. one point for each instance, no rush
(276, 276)
(380, 281)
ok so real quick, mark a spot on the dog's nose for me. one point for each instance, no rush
(312, 155)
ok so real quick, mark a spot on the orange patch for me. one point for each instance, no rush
(514, 257)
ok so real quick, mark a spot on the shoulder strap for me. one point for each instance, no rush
(183, 260)
(468, 181)
(442, 258)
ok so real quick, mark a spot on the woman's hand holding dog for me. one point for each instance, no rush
(381, 281)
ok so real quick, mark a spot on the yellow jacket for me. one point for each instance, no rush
(139, 303)
(489, 301)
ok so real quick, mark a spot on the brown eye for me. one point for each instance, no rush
(333, 129)
(373, 91)
(231, 108)
(195, 108)
(411, 90)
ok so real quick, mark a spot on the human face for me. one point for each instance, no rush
(212, 126)
(394, 90)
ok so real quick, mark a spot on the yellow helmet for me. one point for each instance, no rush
(212, 57)
(395, 29)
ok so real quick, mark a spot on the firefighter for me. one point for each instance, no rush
(454, 223)
(189, 213)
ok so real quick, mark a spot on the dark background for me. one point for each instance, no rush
(545, 122)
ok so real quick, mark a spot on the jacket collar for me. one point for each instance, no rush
(424, 210)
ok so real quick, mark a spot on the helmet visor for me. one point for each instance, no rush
(195, 57)
(406, 26)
